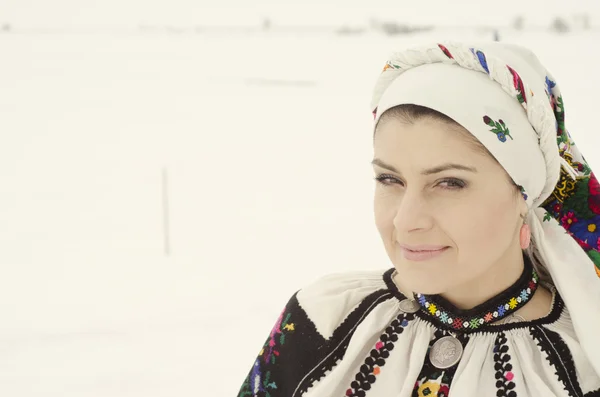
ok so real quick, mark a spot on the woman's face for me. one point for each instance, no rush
(472, 209)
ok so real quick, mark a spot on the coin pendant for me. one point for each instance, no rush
(445, 352)
(409, 306)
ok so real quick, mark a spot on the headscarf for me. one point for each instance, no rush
(505, 97)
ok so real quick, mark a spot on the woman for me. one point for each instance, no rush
(488, 213)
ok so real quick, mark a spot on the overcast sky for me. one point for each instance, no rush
(132, 13)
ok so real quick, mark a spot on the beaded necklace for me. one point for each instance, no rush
(490, 311)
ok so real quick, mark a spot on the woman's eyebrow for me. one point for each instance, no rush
(429, 171)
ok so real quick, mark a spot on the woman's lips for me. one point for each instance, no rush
(422, 255)
(422, 247)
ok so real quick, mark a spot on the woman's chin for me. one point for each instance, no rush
(420, 280)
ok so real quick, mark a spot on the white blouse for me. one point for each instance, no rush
(347, 335)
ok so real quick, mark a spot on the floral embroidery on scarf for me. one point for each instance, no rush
(559, 113)
(549, 86)
(445, 51)
(574, 203)
(498, 128)
(519, 86)
(259, 380)
(481, 58)
(390, 65)
(522, 189)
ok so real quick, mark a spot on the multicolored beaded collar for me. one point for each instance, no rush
(490, 311)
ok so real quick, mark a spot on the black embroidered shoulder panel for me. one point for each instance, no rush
(295, 354)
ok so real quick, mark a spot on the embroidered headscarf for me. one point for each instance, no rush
(508, 100)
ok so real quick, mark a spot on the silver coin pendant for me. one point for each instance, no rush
(409, 306)
(445, 352)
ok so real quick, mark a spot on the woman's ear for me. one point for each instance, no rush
(523, 210)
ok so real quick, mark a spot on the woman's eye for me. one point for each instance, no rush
(453, 183)
(450, 183)
(386, 180)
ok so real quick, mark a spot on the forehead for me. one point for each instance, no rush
(427, 137)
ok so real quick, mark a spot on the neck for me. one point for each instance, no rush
(479, 293)
(498, 278)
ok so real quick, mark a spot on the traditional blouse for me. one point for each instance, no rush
(355, 334)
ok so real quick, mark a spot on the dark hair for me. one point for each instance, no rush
(410, 114)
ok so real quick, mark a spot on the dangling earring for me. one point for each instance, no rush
(525, 236)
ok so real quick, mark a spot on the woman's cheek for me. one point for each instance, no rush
(488, 224)
(466, 224)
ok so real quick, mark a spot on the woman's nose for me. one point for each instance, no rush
(411, 213)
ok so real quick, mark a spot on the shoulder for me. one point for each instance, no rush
(311, 333)
(559, 342)
(329, 300)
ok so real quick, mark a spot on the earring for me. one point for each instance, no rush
(525, 236)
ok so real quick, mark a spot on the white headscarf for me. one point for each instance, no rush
(507, 99)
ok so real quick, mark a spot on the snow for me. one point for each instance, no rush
(267, 145)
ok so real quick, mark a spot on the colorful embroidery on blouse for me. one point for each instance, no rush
(260, 380)
(434, 306)
(367, 375)
(503, 368)
(498, 128)
(433, 381)
(438, 387)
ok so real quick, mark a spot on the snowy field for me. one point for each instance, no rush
(267, 146)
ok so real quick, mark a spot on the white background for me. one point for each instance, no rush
(267, 144)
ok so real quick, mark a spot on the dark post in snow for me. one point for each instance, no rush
(496, 35)
(165, 200)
